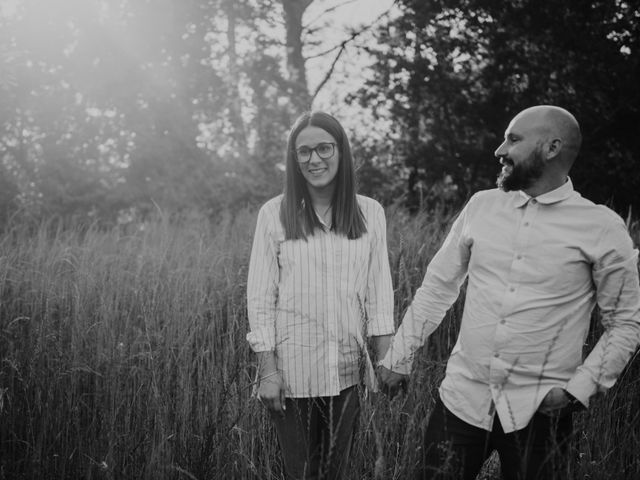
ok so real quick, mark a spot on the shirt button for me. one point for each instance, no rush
(519, 257)
(503, 321)
(526, 224)
(534, 201)
(497, 355)
(512, 289)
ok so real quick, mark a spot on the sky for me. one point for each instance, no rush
(351, 72)
(350, 12)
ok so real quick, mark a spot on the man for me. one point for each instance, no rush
(538, 257)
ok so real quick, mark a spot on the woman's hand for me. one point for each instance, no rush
(271, 392)
(381, 344)
(270, 383)
(391, 382)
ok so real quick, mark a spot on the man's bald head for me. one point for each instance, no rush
(554, 123)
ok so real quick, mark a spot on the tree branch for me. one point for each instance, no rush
(353, 36)
(341, 47)
(327, 10)
(329, 72)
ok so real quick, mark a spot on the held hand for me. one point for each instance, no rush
(391, 382)
(554, 402)
(271, 393)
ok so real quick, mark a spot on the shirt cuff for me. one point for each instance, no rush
(401, 366)
(582, 387)
(379, 328)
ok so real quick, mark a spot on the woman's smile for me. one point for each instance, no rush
(317, 171)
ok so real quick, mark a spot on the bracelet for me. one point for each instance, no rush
(269, 375)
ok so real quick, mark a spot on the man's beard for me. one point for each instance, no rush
(522, 175)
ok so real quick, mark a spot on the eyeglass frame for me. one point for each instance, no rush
(314, 149)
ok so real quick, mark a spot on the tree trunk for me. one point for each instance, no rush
(235, 107)
(293, 11)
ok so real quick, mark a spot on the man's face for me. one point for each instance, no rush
(521, 175)
(521, 156)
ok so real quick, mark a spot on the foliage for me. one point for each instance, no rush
(452, 73)
(121, 106)
(113, 110)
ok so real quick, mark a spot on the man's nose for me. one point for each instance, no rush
(500, 151)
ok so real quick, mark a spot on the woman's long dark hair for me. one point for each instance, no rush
(296, 212)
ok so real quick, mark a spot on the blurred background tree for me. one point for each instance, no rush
(110, 111)
(144, 104)
(450, 75)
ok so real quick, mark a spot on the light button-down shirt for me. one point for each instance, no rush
(536, 268)
(315, 301)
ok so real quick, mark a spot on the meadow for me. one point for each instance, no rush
(123, 356)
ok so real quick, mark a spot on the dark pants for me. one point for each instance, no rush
(315, 434)
(454, 449)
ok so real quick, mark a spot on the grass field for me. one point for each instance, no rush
(124, 357)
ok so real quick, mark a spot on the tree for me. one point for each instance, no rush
(293, 12)
(105, 91)
(455, 72)
(135, 105)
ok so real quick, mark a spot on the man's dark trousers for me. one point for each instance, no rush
(453, 449)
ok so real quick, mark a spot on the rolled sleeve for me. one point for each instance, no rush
(262, 284)
(379, 298)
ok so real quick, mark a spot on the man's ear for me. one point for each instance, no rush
(553, 148)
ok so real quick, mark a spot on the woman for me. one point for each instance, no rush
(319, 284)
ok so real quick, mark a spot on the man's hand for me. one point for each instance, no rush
(271, 392)
(391, 382)
(554, 402)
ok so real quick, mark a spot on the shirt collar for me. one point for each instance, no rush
(554, 196)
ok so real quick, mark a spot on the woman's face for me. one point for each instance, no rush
(318, 157)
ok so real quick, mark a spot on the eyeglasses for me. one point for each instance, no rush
(323, 150)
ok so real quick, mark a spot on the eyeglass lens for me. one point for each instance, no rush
(324, 151)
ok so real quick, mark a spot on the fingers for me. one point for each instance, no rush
(392, 390)
(275, 404)
(391, 383)
(553, 412)
(388, 377)
(272, 395)
(283, 404)
(549, 412)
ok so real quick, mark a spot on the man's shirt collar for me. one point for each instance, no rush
(554, 196)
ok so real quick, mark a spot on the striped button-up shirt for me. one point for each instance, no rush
(314, 302)
(536, 267)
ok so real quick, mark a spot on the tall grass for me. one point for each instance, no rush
(124, 357)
